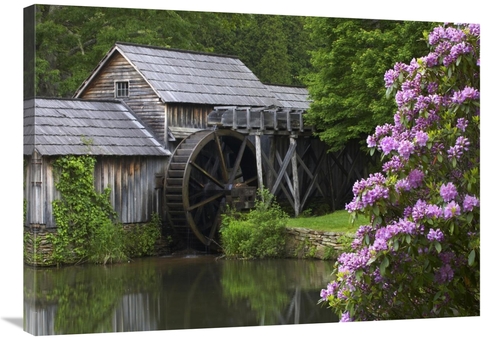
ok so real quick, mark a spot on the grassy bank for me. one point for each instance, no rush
(337, 221)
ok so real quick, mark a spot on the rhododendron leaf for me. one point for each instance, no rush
(384, 265)
(472, 257)
(396, 245)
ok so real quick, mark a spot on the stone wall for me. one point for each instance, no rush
(308, 243)
(37, 246)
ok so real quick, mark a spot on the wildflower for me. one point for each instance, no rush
(371, 141)
(435, 235)
(405, 149)
(330, 290)
(389, 77)
(393, 165)
(470, 202)
(345, 317)
(444, 274)
(431, 60)
(433, 211)
(419, 210)
(448, 192)
(452, 209)
(402, 185)
(421, 138)
(474, 29)
(415, 178)
(387, 144)
(462, 124)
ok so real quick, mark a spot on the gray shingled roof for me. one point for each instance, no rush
(291, 96)
(194, 77)
(73, 126)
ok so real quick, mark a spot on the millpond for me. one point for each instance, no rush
(174, 292)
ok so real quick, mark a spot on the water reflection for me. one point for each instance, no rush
(174, 293)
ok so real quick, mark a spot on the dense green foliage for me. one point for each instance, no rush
(87, 228)
(141, 239)
(71, 40)
(87, 225)
(258, 233)
(345, 84)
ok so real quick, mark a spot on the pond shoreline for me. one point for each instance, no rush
(300, 243)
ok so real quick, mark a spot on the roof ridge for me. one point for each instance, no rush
(178, 50)
(100, 100)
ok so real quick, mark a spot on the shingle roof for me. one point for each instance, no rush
(290, 96)
(195, 77)
(73, 126)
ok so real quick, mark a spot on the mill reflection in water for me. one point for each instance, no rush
(174, 293)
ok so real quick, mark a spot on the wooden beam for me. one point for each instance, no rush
(286, 161)
(273, 171)
(314, 182)
(287, 177)
(309, 173)
(258, 155)
(295, 176)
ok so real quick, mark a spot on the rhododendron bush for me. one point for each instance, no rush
(419, 258)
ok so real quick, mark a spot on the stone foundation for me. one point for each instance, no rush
(308, 243)
(37, 246)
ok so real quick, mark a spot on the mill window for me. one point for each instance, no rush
(121, 89)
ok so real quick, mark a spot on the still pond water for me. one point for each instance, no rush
(174, 292)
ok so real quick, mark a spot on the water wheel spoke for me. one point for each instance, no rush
(220, 153)
(207, 175)
(250, 180)
(195, 183)
(205, 201)
(215, 222)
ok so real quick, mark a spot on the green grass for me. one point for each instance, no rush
(337, 221)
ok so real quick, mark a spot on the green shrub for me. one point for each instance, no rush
(141, 239)
(106, 244)
(260, 233)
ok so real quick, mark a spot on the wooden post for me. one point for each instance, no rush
(258, 154)
(36, 209)
(295, 176)
(272, 155)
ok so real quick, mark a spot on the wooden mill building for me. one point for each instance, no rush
(173, 91)
(141, 102)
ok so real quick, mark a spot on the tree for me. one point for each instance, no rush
(71, 41)
(420, 256)
(345, 84)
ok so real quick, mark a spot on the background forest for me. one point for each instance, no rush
(341, 61)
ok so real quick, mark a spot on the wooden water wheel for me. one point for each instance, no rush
(209, 170)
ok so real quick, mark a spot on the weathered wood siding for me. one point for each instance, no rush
(136, 188)
(188, 115)
(142, 99)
